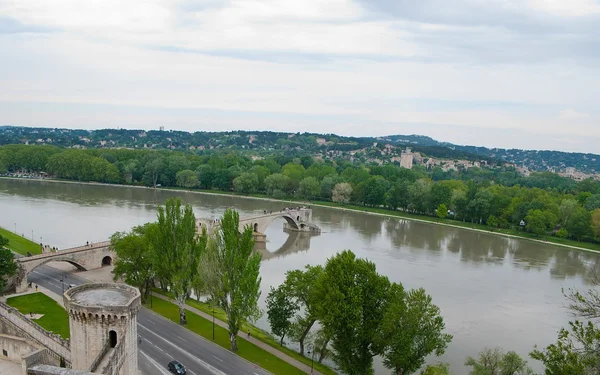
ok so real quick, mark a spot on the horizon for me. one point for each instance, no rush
(285, 132)
(518, 74)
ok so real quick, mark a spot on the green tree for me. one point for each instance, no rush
(327, 185)
(442, 211)
(232, 273)
(411, 329)
(592, 202)
(493, 221)
(177, 250)
(280, 311)
(562, 233)
(309, 188)
(153, 169)
(575, 352)
(352, 296)
(295, 172)
(493, 361)
(134, 257)
(246, 183)
(374, 190)
(580, 223)
(437, 369)
(277, 182)
(576, 349)
(261, 172)
(187, 178)
(595, 222)
(8, 267)
(398, 195)
(302, 288)
(206, 176)
(567, 208)
(536, 222)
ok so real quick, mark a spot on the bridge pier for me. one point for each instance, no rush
(259, 237)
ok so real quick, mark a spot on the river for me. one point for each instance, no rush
(492, 290)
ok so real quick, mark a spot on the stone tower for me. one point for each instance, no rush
(103, 323)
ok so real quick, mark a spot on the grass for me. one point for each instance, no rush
(254, 331)
(246, 350)
(20, 244)
(55, 318)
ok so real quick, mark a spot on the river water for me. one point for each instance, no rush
(492, 290)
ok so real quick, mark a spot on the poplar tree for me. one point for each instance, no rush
(177, 249)
(231, 273)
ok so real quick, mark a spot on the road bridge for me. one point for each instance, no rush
(86, 257)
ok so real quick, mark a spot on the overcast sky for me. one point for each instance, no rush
(496, 73)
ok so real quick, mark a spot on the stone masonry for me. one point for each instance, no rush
(85, 257)
(103, 323)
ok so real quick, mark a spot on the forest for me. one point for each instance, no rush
(543, 204)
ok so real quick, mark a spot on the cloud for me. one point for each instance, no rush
(342, 66)
(571, 114)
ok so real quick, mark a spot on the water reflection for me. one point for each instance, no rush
(492, 290)
(295, 242)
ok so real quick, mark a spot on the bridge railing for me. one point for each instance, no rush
(66, 251)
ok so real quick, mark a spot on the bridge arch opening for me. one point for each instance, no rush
(112, 337)
(106, 261)
(255, 227)
(297, 218)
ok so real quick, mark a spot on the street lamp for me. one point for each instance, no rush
(312, 359)
(32, 234)
(63, 282)
(15, 228)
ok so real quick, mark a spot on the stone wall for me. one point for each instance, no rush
(14, 348)
(16, 324)
(53, 370)
(38, 357)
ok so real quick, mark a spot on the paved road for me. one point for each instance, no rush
(163, 340)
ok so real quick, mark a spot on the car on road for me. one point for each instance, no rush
(176, 367)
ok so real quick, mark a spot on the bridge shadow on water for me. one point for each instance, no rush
(295, 242)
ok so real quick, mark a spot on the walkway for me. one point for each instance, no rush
(292, 361)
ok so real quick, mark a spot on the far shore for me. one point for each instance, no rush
(364, 211)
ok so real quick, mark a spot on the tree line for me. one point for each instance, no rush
(543, 204)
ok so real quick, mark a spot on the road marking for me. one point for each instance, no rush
(206, 365)
(217, 358)
(156, 364)
(182, 339)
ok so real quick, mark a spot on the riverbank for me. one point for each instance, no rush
(20, 244)
(582, 246)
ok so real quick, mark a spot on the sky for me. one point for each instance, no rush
(495, 73)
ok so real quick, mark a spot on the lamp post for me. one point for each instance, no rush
(312, 359)
(15, 228)
(213, 316)
(32, 234)
(63, 282)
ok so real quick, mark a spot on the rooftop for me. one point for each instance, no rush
(102, 295)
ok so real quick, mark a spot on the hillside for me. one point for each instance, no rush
(263, 142)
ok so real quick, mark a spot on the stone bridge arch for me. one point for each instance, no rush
(261, 223)
(87, 257)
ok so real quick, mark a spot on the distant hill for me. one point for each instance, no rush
(307, 143)
(539, 160)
